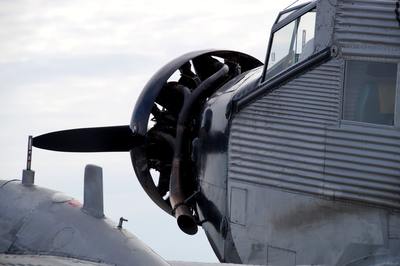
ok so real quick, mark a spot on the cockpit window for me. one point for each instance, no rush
(291, 44)
(370, 92)
(281, 55)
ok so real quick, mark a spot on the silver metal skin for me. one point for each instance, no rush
(305, 186)
(93, 191)
(39, 221)
(28, 177)
(297, 183)
(43, 260)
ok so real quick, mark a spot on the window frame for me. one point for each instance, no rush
(396, 120)
(288, 10)
(300, 11)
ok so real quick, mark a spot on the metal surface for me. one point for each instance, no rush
(279, 140)
(212, 164)
(29, 154)
(304, 186)
(151, 94)
(290, 145)
(187, 263)
(141, 112)
(178, 199)
(121, 221)
(298, 229)
(41, 260)
(244, 97)
(363, 165)
(367, 29)
(28, 176)
(93, 191)
(34, 221)
(304, 150)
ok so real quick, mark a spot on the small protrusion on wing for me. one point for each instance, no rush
(93, 191)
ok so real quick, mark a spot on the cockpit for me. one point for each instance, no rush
(292, 39)
(369, 86)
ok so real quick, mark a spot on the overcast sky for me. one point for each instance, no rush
(67, 64)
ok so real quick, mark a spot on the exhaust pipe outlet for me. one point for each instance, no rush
(178, 196)
(180, 209)
(185, 220)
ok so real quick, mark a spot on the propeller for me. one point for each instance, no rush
(165, 122)
(96, 139)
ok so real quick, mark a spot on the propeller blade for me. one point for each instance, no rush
(96, 139)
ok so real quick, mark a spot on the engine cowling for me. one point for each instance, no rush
(167, 114)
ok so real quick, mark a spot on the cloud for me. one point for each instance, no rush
(37, 28)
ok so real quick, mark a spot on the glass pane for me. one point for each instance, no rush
(370, 92)
(281, 54)
(291, 44)
(305, 36)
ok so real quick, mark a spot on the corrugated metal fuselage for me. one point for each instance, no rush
(291, 180)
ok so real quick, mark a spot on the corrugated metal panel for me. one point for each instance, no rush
(368, 28)
(279, 140)
(364, 164)
(291, 139)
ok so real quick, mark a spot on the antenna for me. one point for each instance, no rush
(28, 176)
(29, 154)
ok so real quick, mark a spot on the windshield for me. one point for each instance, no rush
(291, 44)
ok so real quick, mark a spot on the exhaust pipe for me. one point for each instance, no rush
(178, 198)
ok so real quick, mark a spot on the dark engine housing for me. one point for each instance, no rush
(167, 113)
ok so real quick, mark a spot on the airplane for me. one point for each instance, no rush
(291, 162)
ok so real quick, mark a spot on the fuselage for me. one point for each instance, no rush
(299, 162)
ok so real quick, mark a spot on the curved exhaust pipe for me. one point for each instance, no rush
(178, 198)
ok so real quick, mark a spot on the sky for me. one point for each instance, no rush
(70, 64)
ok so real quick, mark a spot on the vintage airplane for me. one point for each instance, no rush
(293, 162)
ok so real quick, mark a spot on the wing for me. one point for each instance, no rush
(187, 263)
(29, 260)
